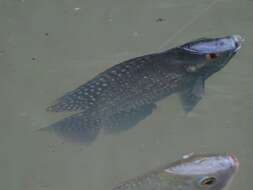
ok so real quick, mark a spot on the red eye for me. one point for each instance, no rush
(211, 56)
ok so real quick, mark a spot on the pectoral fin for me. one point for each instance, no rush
(192, 94)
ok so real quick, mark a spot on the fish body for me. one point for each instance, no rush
(122, 91)
(149, 78)
(197, 172)
(128, 85)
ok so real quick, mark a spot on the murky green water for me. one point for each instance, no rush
(50, 47)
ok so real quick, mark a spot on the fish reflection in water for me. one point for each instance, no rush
(121, 96)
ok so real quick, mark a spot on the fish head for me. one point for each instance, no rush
(208, 55)
(205, 172)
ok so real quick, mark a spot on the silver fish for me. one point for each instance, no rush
(197, 172)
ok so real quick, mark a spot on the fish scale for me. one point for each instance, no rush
(141, 91)
(130, 83)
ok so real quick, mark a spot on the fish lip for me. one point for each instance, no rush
(238, 39)
(234, 160)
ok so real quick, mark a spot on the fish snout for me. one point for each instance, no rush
(238, 40)
(235, 162)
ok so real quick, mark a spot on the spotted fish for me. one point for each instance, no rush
(149, 78)
(133, 85)
(197, 172)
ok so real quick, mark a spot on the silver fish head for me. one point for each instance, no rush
(205, 172)
(226, 44)
(208, 55)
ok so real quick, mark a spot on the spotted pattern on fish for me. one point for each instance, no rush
(125, 86)
(115, 95)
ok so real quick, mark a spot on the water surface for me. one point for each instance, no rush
(50, 47)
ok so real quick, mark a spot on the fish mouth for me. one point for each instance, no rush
(235, 162)
(238, 40)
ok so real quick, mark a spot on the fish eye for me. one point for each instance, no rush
(207, 181)
(211, 56)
